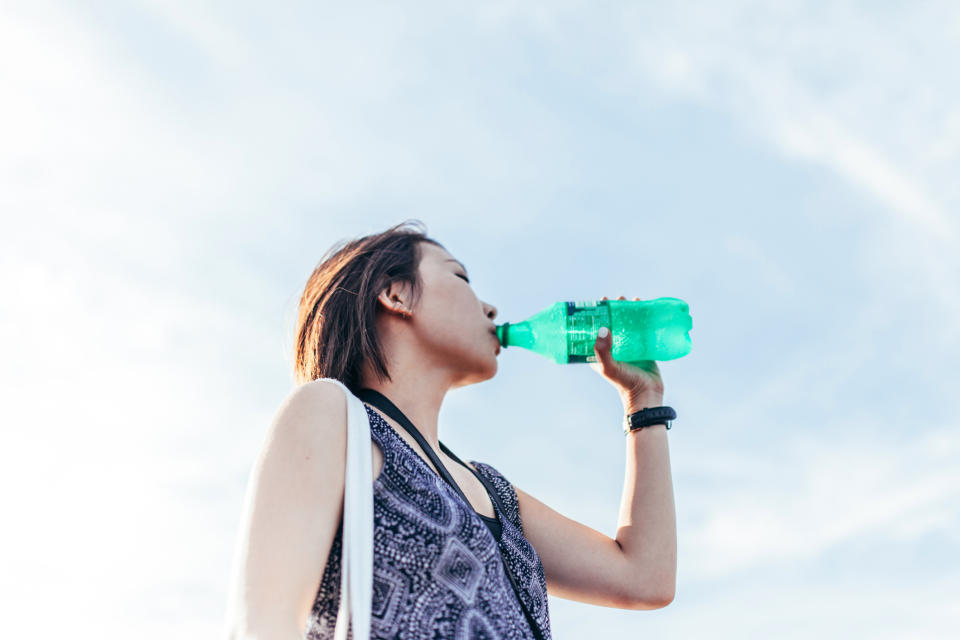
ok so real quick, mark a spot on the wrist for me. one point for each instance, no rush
(635, 402)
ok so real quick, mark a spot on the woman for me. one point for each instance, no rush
(459, 552)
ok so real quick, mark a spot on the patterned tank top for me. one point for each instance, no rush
(437, 571)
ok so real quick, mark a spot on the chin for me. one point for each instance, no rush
(480, 374)
(492, 366)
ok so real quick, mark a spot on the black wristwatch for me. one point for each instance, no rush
(647, 417)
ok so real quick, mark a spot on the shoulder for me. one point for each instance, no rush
(321, 387)
(312, 413)
(321, 393)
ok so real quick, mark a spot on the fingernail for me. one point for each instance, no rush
(603, 333)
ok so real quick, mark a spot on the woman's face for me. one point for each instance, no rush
(454, 327)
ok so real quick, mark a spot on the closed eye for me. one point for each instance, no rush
(464, 277)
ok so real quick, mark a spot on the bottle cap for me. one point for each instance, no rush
(503, 331)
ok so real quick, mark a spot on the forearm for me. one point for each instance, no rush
(647, 525)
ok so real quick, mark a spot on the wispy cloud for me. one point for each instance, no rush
(810, 84)
(823, 497)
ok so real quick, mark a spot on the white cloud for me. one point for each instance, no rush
(817, 87)
(776, 605)
(822, 497)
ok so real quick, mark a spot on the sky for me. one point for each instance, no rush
(171, 172)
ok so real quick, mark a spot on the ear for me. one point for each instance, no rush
(396, 299)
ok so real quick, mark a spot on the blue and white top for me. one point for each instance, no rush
(437, 571)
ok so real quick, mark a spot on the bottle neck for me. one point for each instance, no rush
(518, 334)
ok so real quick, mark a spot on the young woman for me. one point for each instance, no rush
(459, 552)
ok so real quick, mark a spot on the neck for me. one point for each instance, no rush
(417, 388)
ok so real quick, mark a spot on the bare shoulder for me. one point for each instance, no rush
(311, 413)
(317, 390)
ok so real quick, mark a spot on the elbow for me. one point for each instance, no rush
(659, 589)
(654, 597)
(664, 599)
(650, 602)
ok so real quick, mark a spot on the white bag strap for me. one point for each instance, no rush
(356, 567)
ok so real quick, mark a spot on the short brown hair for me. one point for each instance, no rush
(336, 331)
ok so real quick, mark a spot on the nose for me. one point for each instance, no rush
(490, 310)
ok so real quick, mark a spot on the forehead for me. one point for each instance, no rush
(437, 255)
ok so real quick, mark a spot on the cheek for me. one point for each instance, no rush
(456, 303)
(450, 315)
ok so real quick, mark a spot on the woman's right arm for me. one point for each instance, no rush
(292, 509)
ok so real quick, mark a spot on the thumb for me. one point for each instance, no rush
(602, 348)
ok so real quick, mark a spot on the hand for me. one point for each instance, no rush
(638, 383)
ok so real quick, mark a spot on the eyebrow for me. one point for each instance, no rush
(461, 266)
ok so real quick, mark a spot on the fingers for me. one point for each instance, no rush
(600, 343)
(605, 363)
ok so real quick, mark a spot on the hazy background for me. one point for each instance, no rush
(171, 172)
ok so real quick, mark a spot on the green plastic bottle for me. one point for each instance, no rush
(642, 330)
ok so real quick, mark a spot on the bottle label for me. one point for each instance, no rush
(584, 319)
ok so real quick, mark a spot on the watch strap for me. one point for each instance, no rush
(647, 417)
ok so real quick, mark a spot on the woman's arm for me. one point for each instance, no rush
(292, 509)
(638, 569)
(647, 525)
